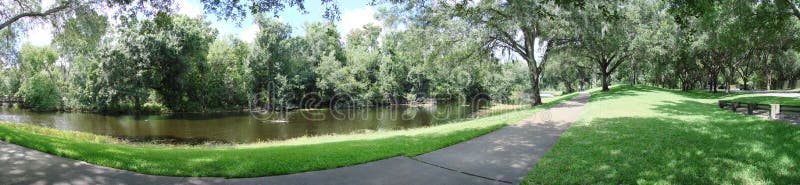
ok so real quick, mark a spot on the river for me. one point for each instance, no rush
(244, 127)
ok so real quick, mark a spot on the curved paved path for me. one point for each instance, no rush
(501, 157)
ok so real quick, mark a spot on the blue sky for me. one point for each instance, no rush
(354, 14)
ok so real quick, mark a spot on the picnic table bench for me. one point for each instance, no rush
(773, 109)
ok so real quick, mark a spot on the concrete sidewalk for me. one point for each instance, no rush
(501, 157)
(508, 154)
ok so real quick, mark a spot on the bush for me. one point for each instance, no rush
(40, 93)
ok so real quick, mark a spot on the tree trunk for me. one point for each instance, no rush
(714, 82)
(604, 72)
(769, 79)
(536, 99)
(605, 81)
(568, 85)
(533, 72)
(746, 87)
(137, 103)
(634, 73)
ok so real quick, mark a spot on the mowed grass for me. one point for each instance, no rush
(645, 135)
(261, 159)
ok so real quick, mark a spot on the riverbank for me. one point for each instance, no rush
(258, 159)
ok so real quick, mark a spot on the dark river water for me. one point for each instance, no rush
(244, 127)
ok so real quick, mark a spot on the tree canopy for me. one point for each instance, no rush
(447, 50)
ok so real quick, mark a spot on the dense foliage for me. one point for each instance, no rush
(179, 64)
(426, 49)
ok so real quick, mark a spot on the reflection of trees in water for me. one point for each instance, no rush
(246, 127)
(409, 113)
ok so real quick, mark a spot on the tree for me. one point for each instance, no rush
(605, 34)
(792, 6)
(364, 59)
(322, 41)
(238, 9)
(166, 54)
(528, 29)
(77, 42)
(38, 86)
(40, 93)
(268, 61)
(120, 78)
(31, 10)
(568, 71)
(33, 59)
(228, 78)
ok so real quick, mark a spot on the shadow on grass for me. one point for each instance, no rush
(620, 91)
(711, 147)
(702, 94)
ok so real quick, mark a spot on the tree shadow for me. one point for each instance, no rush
(702, 94)
(694, 143)
(620, 91)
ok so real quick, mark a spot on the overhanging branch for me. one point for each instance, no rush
(795, 9)
(48, 12)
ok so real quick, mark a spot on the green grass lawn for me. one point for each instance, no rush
(261, 159)
(644, 135)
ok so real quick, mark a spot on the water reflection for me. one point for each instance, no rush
(246, 127)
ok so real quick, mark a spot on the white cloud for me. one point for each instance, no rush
(357, 18)
(190, 9)
(249, 33)
(47, 3)
(40, 35)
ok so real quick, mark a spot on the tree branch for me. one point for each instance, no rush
(510, 41)
(15, 18)
(616, 64)
(795, 9)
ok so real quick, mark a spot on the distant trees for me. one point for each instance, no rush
(40, 93)
(426, 49)
(732, 41)
(269, 61)
(38, 79)
(228, 77)
(166, 54)
(527, 29)
(178, 64)
(606, 31)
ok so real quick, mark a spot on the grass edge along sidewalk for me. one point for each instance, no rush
(261, 159)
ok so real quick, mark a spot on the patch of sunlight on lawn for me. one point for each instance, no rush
(647, 135)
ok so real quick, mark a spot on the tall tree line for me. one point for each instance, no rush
(180, 64)
(445, 49)
(709, 44)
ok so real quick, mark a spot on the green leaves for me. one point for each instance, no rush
(40, 92)
(167, 55)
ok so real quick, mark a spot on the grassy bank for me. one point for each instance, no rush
(643, 135)
(260, 159)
